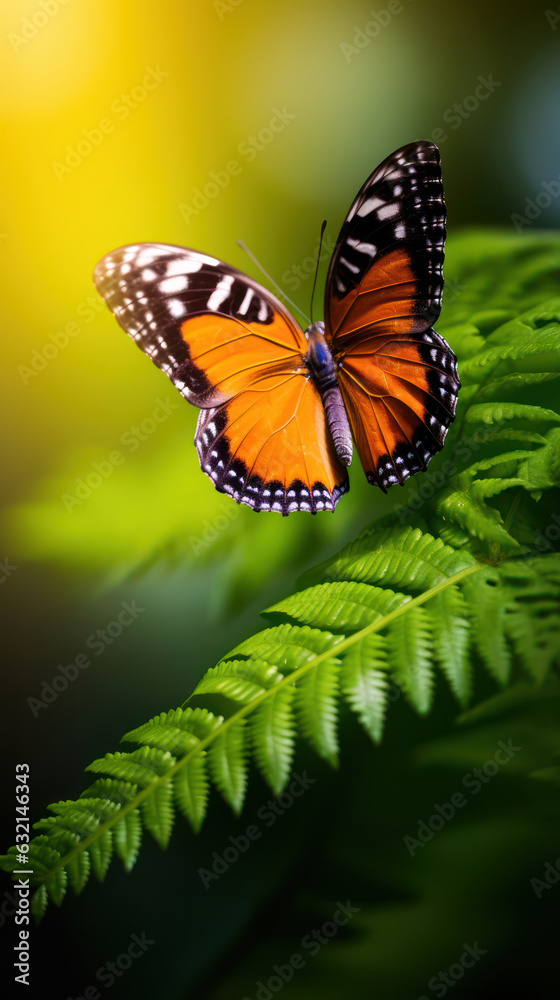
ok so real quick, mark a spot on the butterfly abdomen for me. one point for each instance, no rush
(320, 363)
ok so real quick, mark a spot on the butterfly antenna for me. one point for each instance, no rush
(323, 227)
(267, 275)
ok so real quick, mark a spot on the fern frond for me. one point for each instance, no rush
(344, 606)
(239, 680)
(477, 518)
(403, 557)
(497, 413)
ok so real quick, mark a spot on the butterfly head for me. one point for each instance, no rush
(318, 358)
(318, 352)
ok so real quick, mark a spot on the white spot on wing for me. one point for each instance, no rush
(370, 205)
(388, 211)
(368, 248)
(220, 294)
(246, 302)
(182, 265)
(176, 308)
(170, 286)
(148, 254)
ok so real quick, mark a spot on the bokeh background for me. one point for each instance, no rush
(115, 118)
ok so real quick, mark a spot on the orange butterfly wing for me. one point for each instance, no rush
(232, 349)
(269, 447)
(397, 376)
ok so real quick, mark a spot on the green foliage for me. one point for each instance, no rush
(465, 571)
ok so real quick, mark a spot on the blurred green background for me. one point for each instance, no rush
(115, 118)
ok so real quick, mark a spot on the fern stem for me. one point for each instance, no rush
(245, 710)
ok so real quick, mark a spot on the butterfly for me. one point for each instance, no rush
(280, 407)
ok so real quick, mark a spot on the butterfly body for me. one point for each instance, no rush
(279, 407)
(321, 365)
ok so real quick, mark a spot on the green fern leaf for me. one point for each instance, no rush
(158, 813)
(239, 680)
(488, 606)
(508, 460)
(448, 613)
(342, 606)
(120, 793)
(480, 520)
(522, 348)
(55, 885)
(541, 469)
(127, 834)
(402, 557)
(498, 413)
(101, 852)
(78, 869)
(450, 534)
(532, 621)
(191, 789)
(481, 489)
(39, 902)
(364, 683)
(45, 864)
(171, 731)
(293, 645)
(228, 764)
(140, 766)
(316, 705)
(273, 737)
(410, 657)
